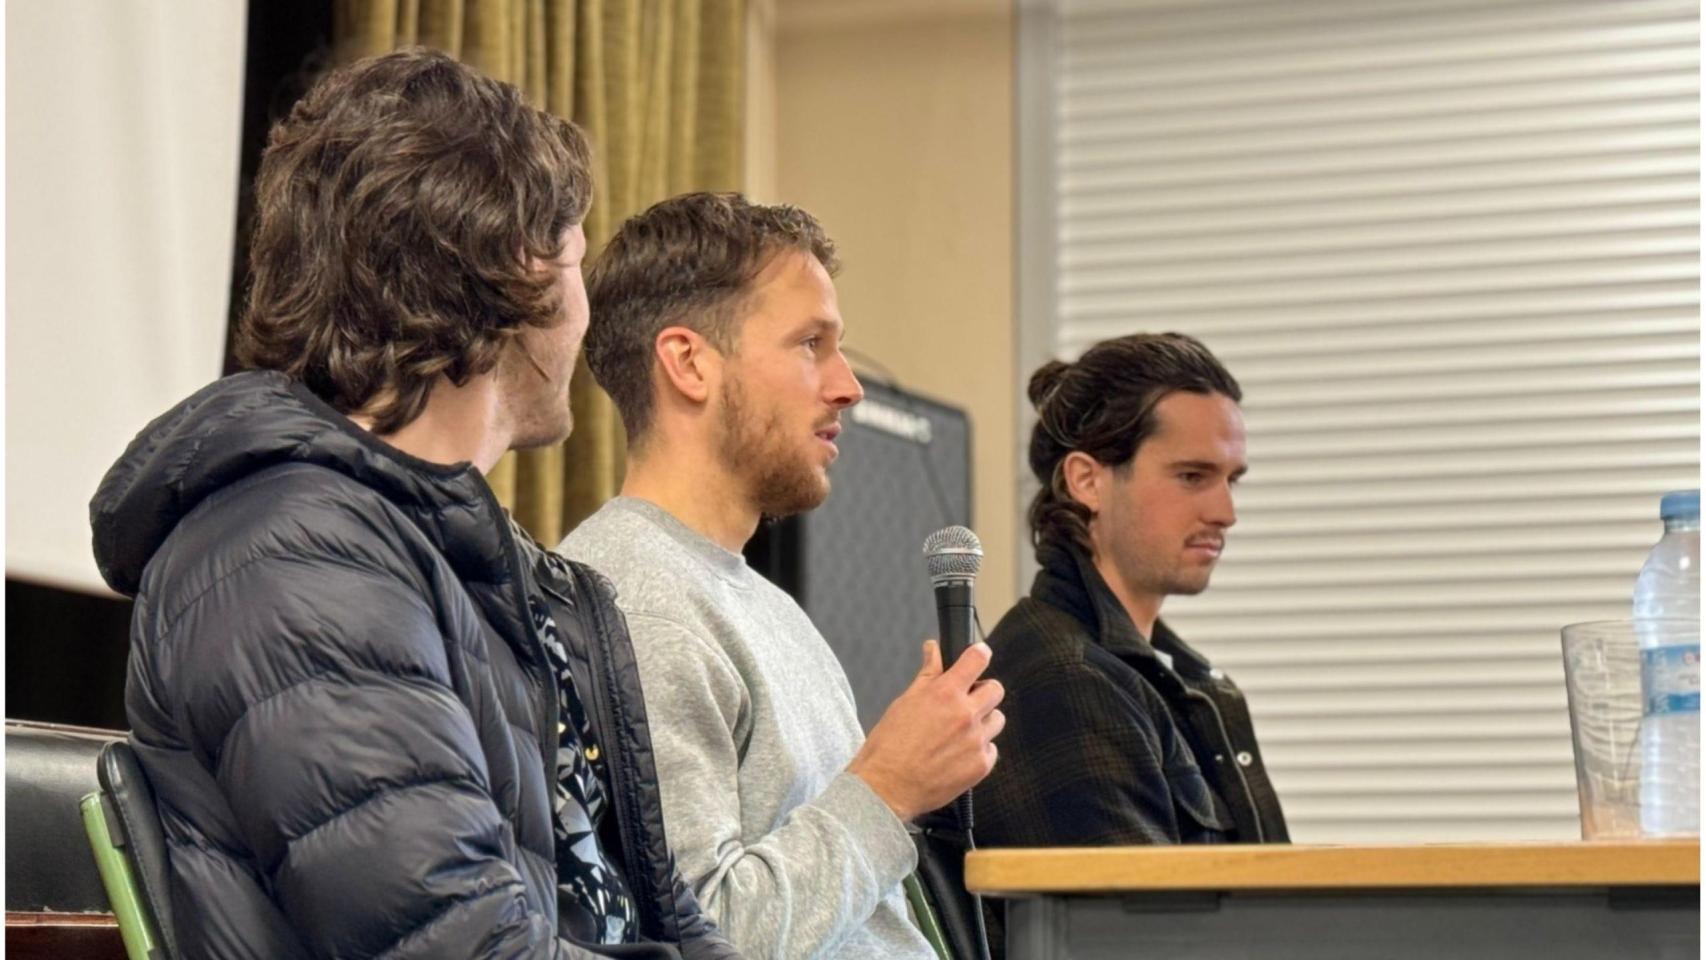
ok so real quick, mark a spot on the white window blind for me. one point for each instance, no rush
(1450, 248)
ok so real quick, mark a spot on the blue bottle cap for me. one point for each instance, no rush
(1680, 505)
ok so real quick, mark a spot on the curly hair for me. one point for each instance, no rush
(688, 260)
(399, 209)
(1104, 405)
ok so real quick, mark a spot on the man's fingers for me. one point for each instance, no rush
(970, 665)
(985, 694)
(994, 724)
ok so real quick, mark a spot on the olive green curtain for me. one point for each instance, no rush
(659, 88)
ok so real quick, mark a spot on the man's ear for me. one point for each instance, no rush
(690, 364)
(1084, 479)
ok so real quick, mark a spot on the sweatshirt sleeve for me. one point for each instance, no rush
(803, 886)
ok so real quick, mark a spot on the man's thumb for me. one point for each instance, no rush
(932, 661)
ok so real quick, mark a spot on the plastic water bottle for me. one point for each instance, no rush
(1668, 591)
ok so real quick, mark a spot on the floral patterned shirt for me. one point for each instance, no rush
(593, 897)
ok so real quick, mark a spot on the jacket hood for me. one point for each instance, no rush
(250, 422)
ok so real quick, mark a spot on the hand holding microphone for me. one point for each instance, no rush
(935, 740)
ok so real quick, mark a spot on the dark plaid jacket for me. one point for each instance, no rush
(1105, 744)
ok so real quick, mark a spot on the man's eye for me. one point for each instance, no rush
(1191, 477)
(811, 343)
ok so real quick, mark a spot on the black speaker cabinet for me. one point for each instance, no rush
(856, 564)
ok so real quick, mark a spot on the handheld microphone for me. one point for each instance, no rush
(953, 556)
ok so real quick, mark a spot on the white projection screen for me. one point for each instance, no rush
(123, 121)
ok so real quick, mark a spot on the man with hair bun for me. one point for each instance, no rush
(1118, 732)
(378, 719)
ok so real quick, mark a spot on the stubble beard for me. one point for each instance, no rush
(1152, 578)
(539, 411)
(778, 481)
(1188, 585)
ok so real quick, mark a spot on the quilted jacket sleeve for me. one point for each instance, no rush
(700, 938)
(318, 689)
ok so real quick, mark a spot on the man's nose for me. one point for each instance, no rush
(843, 386)
(1221, 511)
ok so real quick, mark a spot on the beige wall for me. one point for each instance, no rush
(894, 125)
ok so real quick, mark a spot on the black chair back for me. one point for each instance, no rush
(130, 801)
(49, 768)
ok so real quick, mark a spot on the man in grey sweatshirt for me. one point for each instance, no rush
(716, 333)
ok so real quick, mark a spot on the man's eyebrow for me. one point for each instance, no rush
(1205, 466)
(818, 325)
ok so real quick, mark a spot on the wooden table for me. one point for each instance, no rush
(1556, 901)
(58, 936)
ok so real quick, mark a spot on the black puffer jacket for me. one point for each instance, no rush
(339, 697)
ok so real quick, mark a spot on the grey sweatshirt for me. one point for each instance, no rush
(753, 724)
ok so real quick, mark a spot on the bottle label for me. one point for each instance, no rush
(1670, 679)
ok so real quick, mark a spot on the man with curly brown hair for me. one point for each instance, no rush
(377, 717)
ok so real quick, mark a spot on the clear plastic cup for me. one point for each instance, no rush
(1602, 672)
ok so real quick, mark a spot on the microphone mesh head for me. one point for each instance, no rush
(952, 553)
